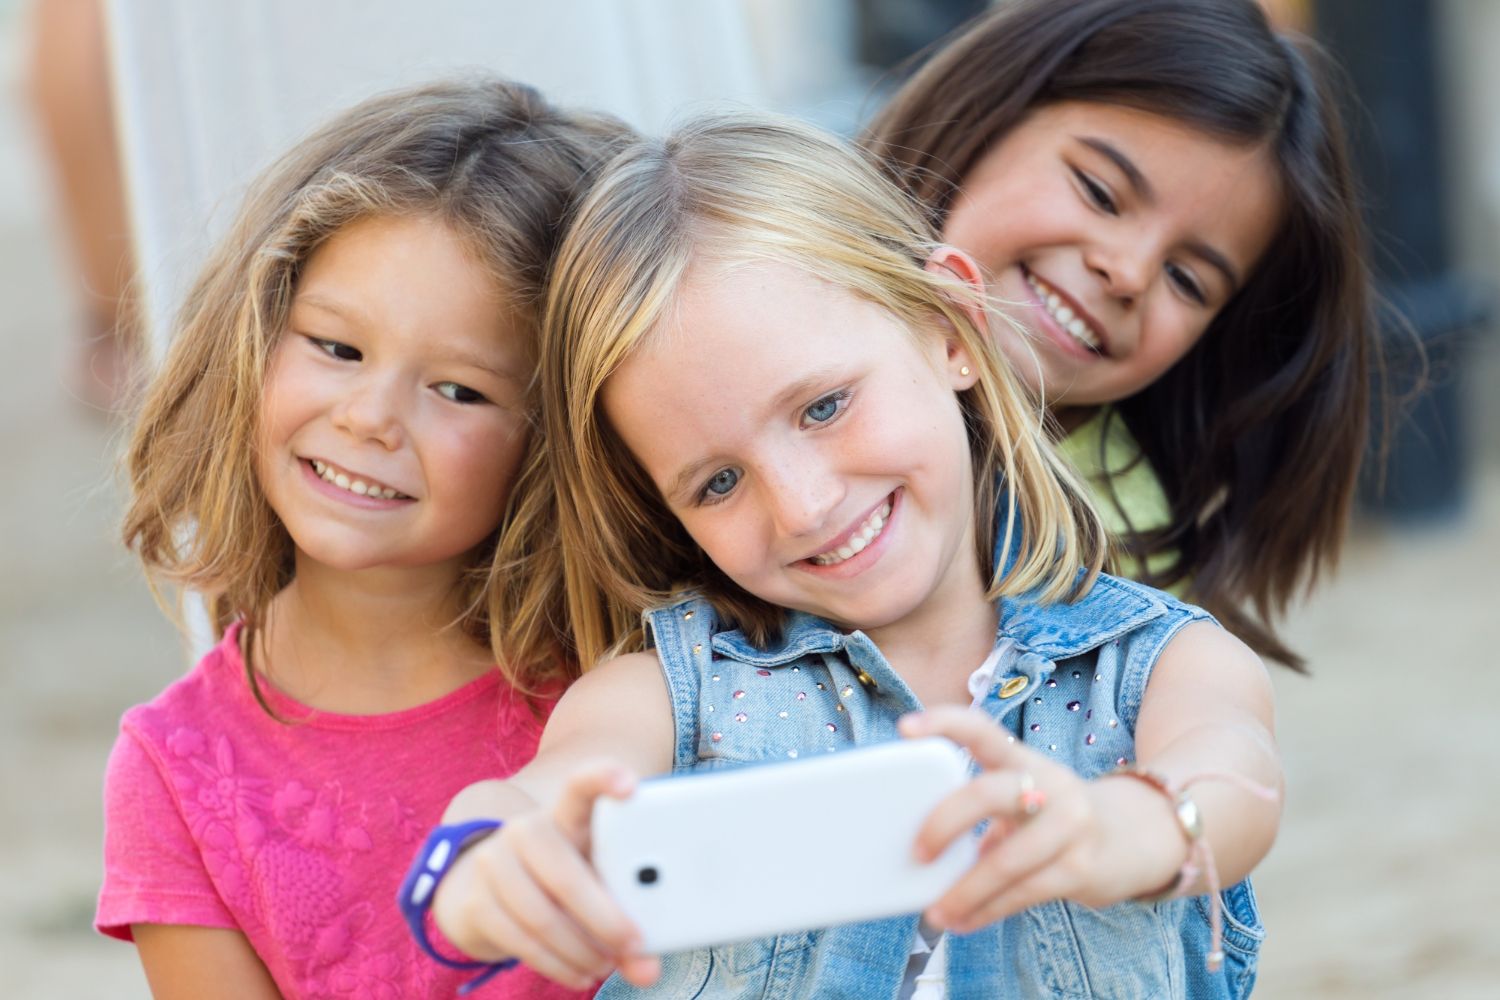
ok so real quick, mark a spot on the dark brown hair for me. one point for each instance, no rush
(1257, 433)
(490, 159)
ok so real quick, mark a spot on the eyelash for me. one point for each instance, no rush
(333, 347)
(1186, 284)
(1097, 194)
(841, 401)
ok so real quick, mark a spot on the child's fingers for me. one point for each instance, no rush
(574, 811)
(1039, 887)
(497, 924)
(1027, 862)
(640, 970)
(993, 795)
(570, 880)
(990, 745)
(545, 936)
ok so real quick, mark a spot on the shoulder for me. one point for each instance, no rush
(214, 686)
(1113, 609)
(628, 685)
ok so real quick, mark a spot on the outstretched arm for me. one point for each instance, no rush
(1207, 713)
(529, 891)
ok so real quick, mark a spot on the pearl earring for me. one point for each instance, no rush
(964, 370)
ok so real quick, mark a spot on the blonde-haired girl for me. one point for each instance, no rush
(336, 452)
(779, 430)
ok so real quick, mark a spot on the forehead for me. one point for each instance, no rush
(1200, 180)
(736, 339)
(409, 274)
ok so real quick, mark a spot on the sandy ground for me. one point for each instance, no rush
(1378, 888)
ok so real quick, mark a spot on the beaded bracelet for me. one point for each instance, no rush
(414, 897)
(1200, 858)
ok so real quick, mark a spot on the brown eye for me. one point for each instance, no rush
(459, 393)
(1097, 194)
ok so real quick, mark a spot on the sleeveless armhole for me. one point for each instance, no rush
(680, 635)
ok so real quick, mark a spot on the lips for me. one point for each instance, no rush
(1070, 318)
(856, 539)
(354, 482)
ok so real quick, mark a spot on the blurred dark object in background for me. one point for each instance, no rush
(892, 30)
(1389, 52)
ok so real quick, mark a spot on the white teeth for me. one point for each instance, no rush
(858, 541)
(358, 487)
(1066, 318)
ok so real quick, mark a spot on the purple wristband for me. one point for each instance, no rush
(415, 895)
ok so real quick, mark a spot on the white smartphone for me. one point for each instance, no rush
(708, 859)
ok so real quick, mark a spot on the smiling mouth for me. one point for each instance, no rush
(857, 542)
(353, 483)
(1064, 316)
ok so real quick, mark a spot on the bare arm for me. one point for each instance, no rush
(201, 963)
(529, 891)
(1207, 711)
(620, 712)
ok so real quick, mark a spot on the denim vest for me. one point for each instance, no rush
(1069, 685)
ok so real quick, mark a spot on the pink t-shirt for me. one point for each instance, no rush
(297, 834)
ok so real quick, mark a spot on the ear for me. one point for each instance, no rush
(963, 372)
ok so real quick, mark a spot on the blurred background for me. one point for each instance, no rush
(1381, 884)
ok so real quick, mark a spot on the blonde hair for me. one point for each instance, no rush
(492, 161)
(740, 188)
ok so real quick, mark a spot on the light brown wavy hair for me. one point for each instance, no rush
(745, 188)
(496, 164)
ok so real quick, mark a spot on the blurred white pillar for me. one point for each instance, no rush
(209, 93)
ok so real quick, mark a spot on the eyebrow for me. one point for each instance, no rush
(1126, 164)
(794, 391)
(357, 317)
(1210, 256)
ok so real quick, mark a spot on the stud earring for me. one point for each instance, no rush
(964, 370)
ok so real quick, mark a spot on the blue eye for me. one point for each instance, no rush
(826, 408)
(722, 482)
(459, 393)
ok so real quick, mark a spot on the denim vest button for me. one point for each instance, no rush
(1012, 687)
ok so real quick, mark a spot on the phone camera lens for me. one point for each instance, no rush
(647, 875)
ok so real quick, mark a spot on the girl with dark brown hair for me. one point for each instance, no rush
(1160, 192)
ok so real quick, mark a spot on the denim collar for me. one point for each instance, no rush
(1053, 630)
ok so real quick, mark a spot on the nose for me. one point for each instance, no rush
(370, 411)
(803, 490)
(1125, 266)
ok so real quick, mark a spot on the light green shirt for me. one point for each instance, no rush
(1137, 503)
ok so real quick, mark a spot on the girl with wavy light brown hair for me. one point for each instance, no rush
(338, 453)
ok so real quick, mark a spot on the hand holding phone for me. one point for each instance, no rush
(731, 855)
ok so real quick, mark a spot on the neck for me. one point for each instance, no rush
(367, 642)
(937, 647)
(1070, 418)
